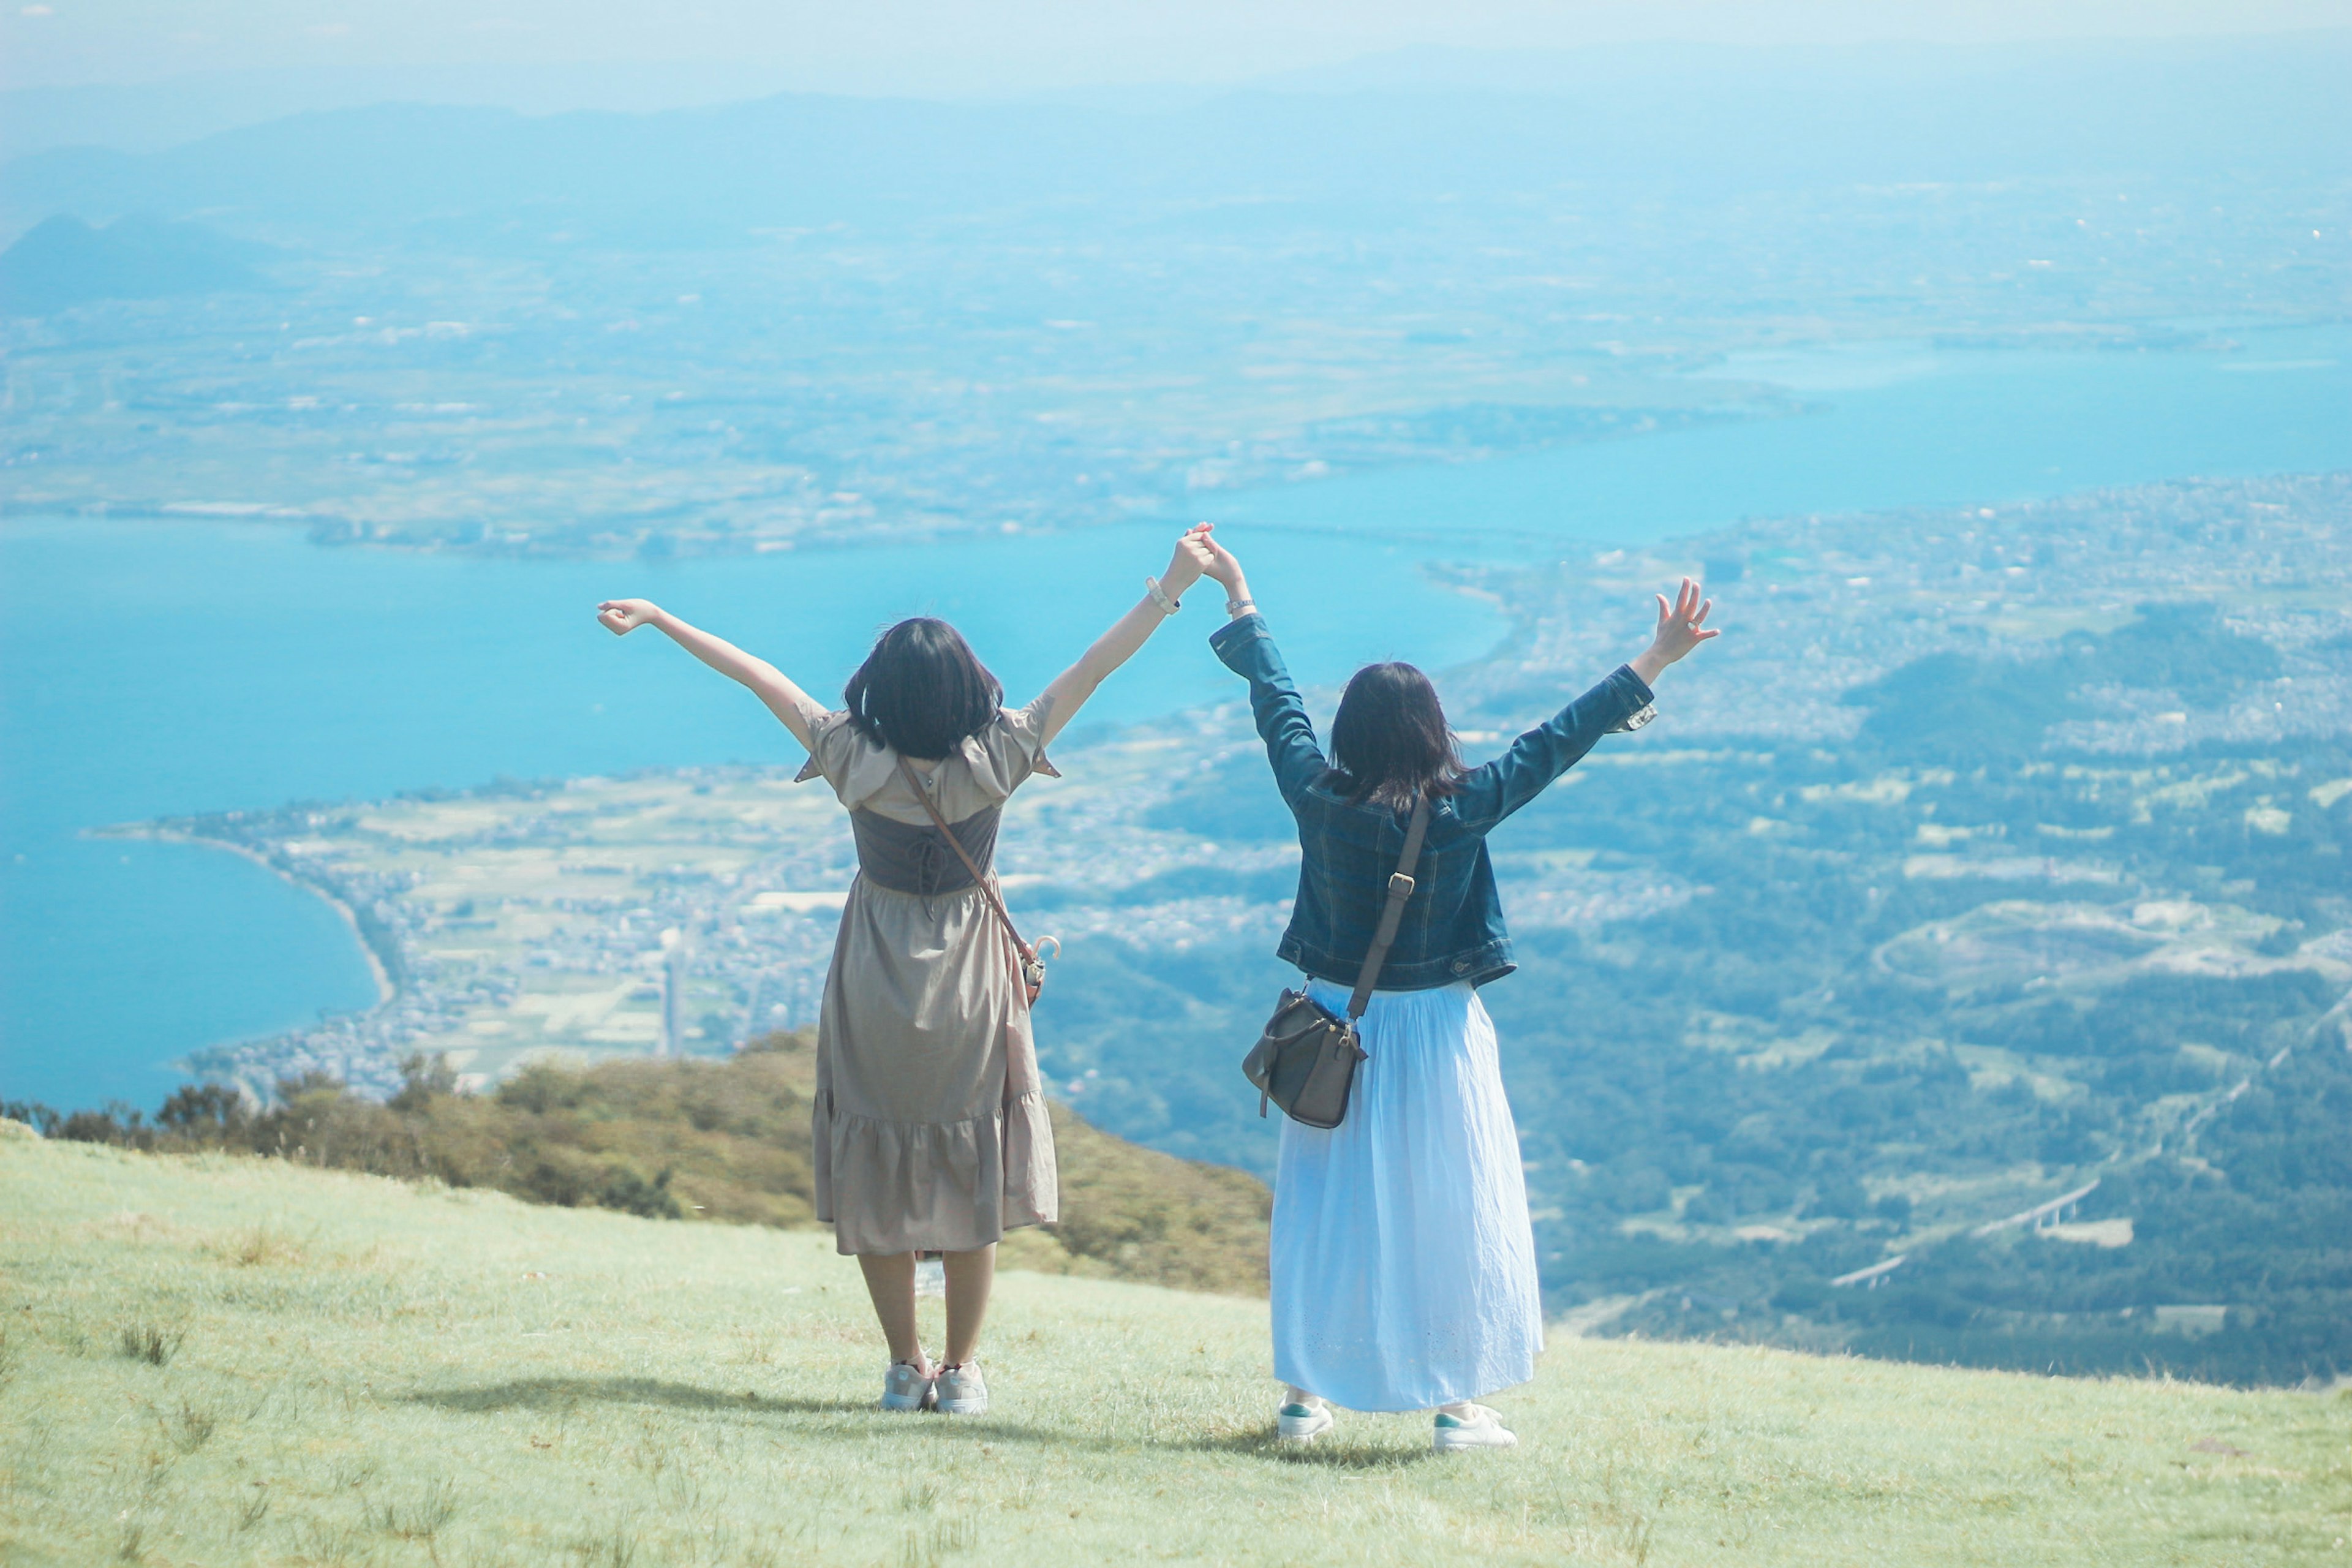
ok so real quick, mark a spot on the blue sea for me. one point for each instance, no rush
(161, 668)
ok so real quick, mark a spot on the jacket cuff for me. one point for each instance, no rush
(1641, 703)
(1236, 631)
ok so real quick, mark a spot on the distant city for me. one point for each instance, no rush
(2017, 855)
(687, 912)
(479, 351)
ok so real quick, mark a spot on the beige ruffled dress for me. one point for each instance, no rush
(930, 1122)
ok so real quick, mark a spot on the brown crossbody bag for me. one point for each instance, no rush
(1304, 1060)
(1033, 966)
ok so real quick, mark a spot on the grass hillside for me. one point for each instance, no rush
(724, 1139)
(218, 1359)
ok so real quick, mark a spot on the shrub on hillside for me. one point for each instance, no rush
(724, 1140)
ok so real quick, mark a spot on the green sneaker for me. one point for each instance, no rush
(1476, 1427)
(1304, 1423)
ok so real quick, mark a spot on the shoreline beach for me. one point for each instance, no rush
(387, 990)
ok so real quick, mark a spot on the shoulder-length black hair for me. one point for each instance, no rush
(922, 690)
(1390, 740)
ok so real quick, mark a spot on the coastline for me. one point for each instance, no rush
(386, 991)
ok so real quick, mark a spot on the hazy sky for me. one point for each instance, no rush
(1005, 46)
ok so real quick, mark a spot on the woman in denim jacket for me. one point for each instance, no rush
(1403, 1268)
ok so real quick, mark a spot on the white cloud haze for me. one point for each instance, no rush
(980, 47)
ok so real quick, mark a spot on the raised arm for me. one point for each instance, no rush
(1494, 791)
(787, 701)
(1246, 647)
(1071, 689)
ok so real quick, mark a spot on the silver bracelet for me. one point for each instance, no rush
(1167, 606)
(1240, 606)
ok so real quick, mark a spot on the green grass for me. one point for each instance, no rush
(216, 1358)
(724, 1140)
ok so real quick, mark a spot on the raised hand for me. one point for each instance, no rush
(1189, 563)
(1682, 627)
(1223, 566)
(622, 616)
(787, 701)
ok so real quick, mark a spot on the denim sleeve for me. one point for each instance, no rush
(1247, 650)
(1491, 793)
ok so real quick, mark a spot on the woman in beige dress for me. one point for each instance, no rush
(930, 1120)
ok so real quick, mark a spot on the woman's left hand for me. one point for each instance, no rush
(1682, 627)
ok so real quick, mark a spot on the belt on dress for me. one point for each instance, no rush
(908, 858)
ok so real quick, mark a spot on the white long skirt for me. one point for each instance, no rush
(1404, 1265)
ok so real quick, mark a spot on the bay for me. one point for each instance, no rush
(151, 670)
(167, 669)
(1894, 423)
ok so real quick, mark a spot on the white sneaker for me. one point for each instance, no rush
(904, 1388)
(1477, 1427)
(1304, 1423)
(962, 1390)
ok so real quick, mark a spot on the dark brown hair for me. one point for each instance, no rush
(921, 690)
(1390, 738)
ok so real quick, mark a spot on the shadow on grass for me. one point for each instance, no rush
(553, 1392)
(1262, 1443)
(558, 1393)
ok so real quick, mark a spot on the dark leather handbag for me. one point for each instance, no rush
(1304, 1060)
(1032, 960)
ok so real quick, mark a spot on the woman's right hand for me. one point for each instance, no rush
(622, 616)
(1190, 562)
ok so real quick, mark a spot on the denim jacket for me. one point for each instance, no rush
(1452, 925)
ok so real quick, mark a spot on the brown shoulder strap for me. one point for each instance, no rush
(1399, 889)
(987, 888)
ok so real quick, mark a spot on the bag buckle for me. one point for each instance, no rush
(1400, 885)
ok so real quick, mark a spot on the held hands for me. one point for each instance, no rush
(1682, 627)
(1223, 567)
(1190, 562)
(622, 616)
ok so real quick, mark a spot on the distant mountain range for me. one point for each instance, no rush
(1691, 119)
(64, 261)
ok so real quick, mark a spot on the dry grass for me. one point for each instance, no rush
(438, 1376)
(724, 1139)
